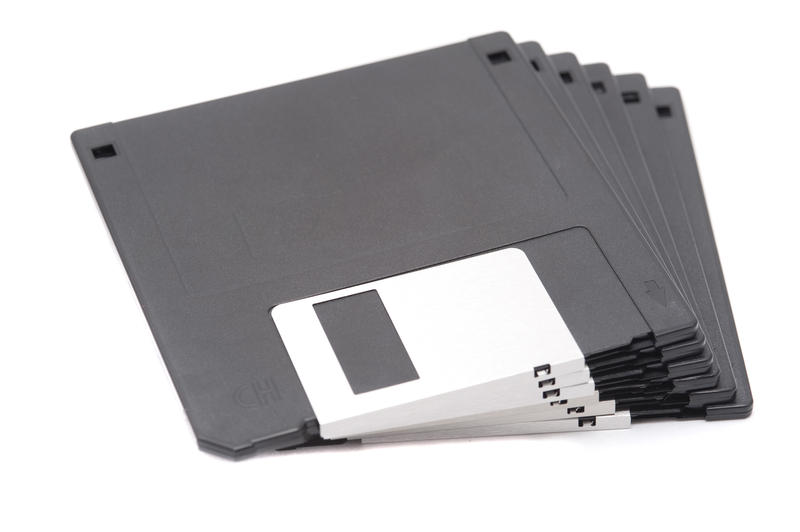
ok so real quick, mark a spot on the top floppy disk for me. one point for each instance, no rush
(224, 210)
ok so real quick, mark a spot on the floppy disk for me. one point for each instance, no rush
(420, 244)
(667, 200)
(669, 109)
(563, 70)
(587, 121)
(688, 367)
(706, 391)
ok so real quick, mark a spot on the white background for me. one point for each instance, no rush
(92, 435)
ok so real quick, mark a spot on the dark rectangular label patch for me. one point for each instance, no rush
(365, 341)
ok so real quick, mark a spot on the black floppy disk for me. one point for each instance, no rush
(223, 210)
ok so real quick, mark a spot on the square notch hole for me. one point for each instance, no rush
(105, 151)
(664, 111)
(566, 76)
(547, 382)
(551, 393)
(599, 87)
(499, 57)
(630, 97)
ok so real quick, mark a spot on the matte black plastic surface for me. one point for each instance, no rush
(565, 80)
(222, 210)
(692, 370)
(567, 86)
(669, 108)
(653, 142)
(563, 75)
